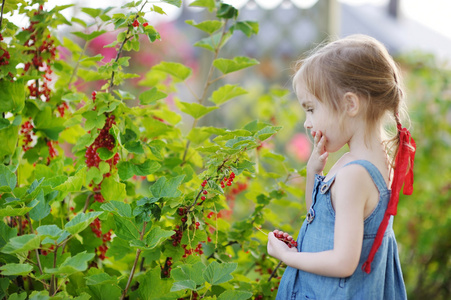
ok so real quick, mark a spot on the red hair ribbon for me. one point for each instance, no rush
(403, 174)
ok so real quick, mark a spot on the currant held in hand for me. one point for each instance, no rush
(346, 248)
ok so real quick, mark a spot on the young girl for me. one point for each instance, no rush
(346, 245)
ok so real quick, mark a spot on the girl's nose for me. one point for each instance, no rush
(307, 124)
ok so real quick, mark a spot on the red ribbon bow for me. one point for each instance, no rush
(403, 174)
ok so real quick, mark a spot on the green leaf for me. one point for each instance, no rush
(235, 295)
(134, 147)
(39, 295)
(23, 243)
(157, 236)
(120, 208)
(118, 248)
(81, 221)
(125, 228)
(247, 27)
(12, 212)
(41, 209)
(112, 189)
(195, 110)
(8, 179)
(151, 287)
(226, 11)
(73, 183)
(209, 26)
(95, 175)
(21, 296)
(177, 3)
(16, 269)
(255, 125)
(210, 4)
(267, 132)
(51, 231)
(125, 169)
(101, 278)
(6, 233)
(176, 70)
(198, 135)
(227, 92)
(188, 276)
(167, 188)
(9, 137)
(12, 95)
(104, 153)
(138, 244)
(93, 12)
(214, 42)
(72, 46)
(128, 136)
(217, 273)
(79, 21)
(93, 120)
(240, 142)
(50, 126)
(91, 75)
(77, 263)
(73, 97)
(151, 96)
(90, 36)
(4, 123)
(158, 10)
(227, 66)
(146, 168)
(183, 284)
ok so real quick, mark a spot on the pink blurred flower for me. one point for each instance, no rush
(63, 52)
(96, 46)
(300, 147)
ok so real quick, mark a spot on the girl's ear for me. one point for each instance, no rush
(352, 104)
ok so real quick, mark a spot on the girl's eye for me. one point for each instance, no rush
(310, 110)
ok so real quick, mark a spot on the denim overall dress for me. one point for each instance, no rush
(385, 280)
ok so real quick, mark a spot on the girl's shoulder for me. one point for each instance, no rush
(359, 171)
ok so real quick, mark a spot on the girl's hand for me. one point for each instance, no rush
(318, 158)
(276, 248)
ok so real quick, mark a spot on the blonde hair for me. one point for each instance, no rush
(362, 65)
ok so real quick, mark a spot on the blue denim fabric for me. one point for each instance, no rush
(317, 234)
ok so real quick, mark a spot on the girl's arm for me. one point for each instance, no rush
(315, 164)
(351, 191)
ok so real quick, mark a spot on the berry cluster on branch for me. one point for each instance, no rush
(27, 132)
(106, 237)
(43, 54)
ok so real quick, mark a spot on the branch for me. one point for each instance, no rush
(135, 263)
(36, 250)
(87, 203)
(54, 280)
(1, 16)
(226, 245)
(77, 65)
(119, 52)
(208, 82)
(273, 274)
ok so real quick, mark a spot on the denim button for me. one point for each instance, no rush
(310, 215)
(324, 188)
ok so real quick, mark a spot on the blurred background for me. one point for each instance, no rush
(416, 32)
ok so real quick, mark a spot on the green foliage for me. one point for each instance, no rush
(105, 194)
(423, 223)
